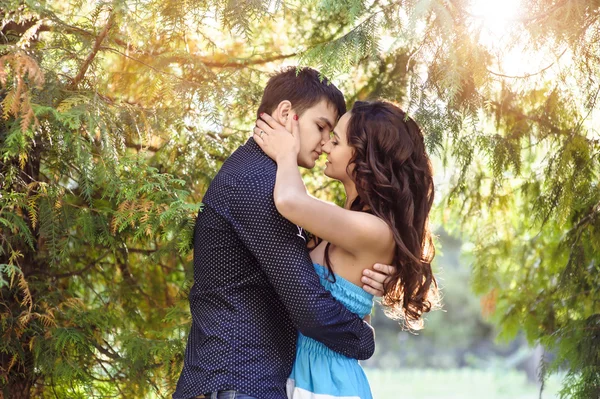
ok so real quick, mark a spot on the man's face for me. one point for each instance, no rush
(315, 124)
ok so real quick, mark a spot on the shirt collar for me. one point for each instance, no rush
(254, 148)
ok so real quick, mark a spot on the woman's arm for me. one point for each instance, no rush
(355, 232)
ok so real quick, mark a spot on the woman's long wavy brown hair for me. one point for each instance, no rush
(394, 181)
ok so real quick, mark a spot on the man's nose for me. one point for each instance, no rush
(326, 147)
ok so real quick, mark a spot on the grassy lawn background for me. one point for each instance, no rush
(457, 384)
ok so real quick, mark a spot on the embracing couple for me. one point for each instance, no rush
(284, 282)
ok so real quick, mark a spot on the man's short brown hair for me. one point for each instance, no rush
(303, 88)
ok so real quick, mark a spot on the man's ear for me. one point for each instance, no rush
(283, 112)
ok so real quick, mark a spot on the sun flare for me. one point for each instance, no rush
(496, 16)
(496, 22)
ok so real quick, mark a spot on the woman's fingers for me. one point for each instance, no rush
(269, 120)
(262, 125)
(258, 136)
(295, 126)
(258, 140)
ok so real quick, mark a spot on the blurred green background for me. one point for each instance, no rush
(116, 114)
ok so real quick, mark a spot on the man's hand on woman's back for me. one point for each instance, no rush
(373, 280)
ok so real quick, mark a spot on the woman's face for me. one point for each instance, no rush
(339, 152)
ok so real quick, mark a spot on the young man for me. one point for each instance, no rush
(254, 283)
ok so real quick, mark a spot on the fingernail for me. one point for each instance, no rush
(262, 113)
(295, 117)
(364, 279)
(376, 266)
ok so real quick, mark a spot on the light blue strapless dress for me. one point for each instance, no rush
(319, 372)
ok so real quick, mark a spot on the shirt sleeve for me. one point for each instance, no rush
(280, 248)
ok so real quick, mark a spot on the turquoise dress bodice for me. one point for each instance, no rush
(318, 371)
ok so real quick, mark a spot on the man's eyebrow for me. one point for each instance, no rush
(327, 121)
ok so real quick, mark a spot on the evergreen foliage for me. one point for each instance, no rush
(116, 115)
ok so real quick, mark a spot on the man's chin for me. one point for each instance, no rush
(307, 164)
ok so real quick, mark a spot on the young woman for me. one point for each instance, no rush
(378, 154)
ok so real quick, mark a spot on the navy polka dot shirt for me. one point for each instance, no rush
(254, 288)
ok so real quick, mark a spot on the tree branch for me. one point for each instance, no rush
(69, 274)
(528, 75)
(92, 55)
(141, 147)
(206, 61)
